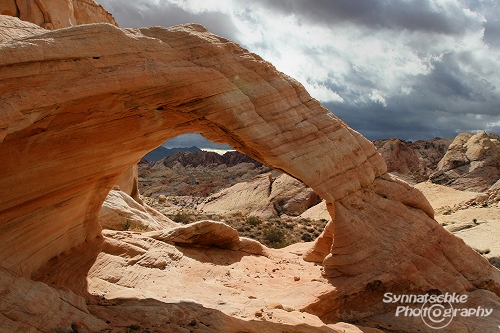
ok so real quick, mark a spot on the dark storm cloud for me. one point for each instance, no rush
(147, 13)
(443, 103)
(406, 121)
(416, 15)
(492, 27)
(189, 140)
(407, 69)
(491, 12)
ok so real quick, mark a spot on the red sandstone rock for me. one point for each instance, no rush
(83, 104)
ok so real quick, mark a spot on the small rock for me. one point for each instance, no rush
(481, 198)
(252, 297)
(79, 327)
(296, 278)
(193, 322)
(162, 198)
(258, 313)
(278, 306)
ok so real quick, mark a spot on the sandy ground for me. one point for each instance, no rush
(482, 235)
(440, 196)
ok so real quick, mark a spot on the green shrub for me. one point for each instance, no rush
(306, 237)
(253, 220)
(274, 235)
(181, 217)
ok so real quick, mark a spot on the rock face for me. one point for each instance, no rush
(72, 97)
(56, 14)
(402, 159)
(263, 196)
(197, 174)
(129, 183)
(415, 161)
(472, 162)
(121, 212)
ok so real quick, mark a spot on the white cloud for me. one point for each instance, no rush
(411, 58)
(378, 98)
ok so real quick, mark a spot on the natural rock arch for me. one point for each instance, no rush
(94, 109)
(81, 105)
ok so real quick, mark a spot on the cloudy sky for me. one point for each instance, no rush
(411, 69)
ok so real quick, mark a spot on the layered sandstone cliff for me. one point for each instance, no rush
(56, 14)
(83, 104)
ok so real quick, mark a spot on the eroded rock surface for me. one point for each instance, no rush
(121, 212)
(83, 104)
(415, 161)
(472, 163)
(56, 14)
(263, 196)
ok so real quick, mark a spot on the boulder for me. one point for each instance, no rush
(263, 196)
(472, 163)
(248, 198)
(201, 233)
(121, 212)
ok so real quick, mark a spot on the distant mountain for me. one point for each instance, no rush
(196, 173)
(205, 159)
(162, 152)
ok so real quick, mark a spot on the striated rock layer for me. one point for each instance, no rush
(263, 196)
(56, 14)
(83, 104)
(89, 110)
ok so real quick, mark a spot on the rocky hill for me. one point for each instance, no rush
(162, 152)
(204, 159)
(196, 174)
(467, 162)
(82, 105)
(472, 162)
(201, 173)
(414, 161)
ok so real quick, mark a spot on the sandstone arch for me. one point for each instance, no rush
(80, 105)
(116, 102)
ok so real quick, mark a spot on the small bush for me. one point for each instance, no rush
(274, 235)
(127, 225)
(254, 220)
(306, 237)
(495, 261)
(133, 328)
(180, 217)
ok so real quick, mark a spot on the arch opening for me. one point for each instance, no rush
(189, 184)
